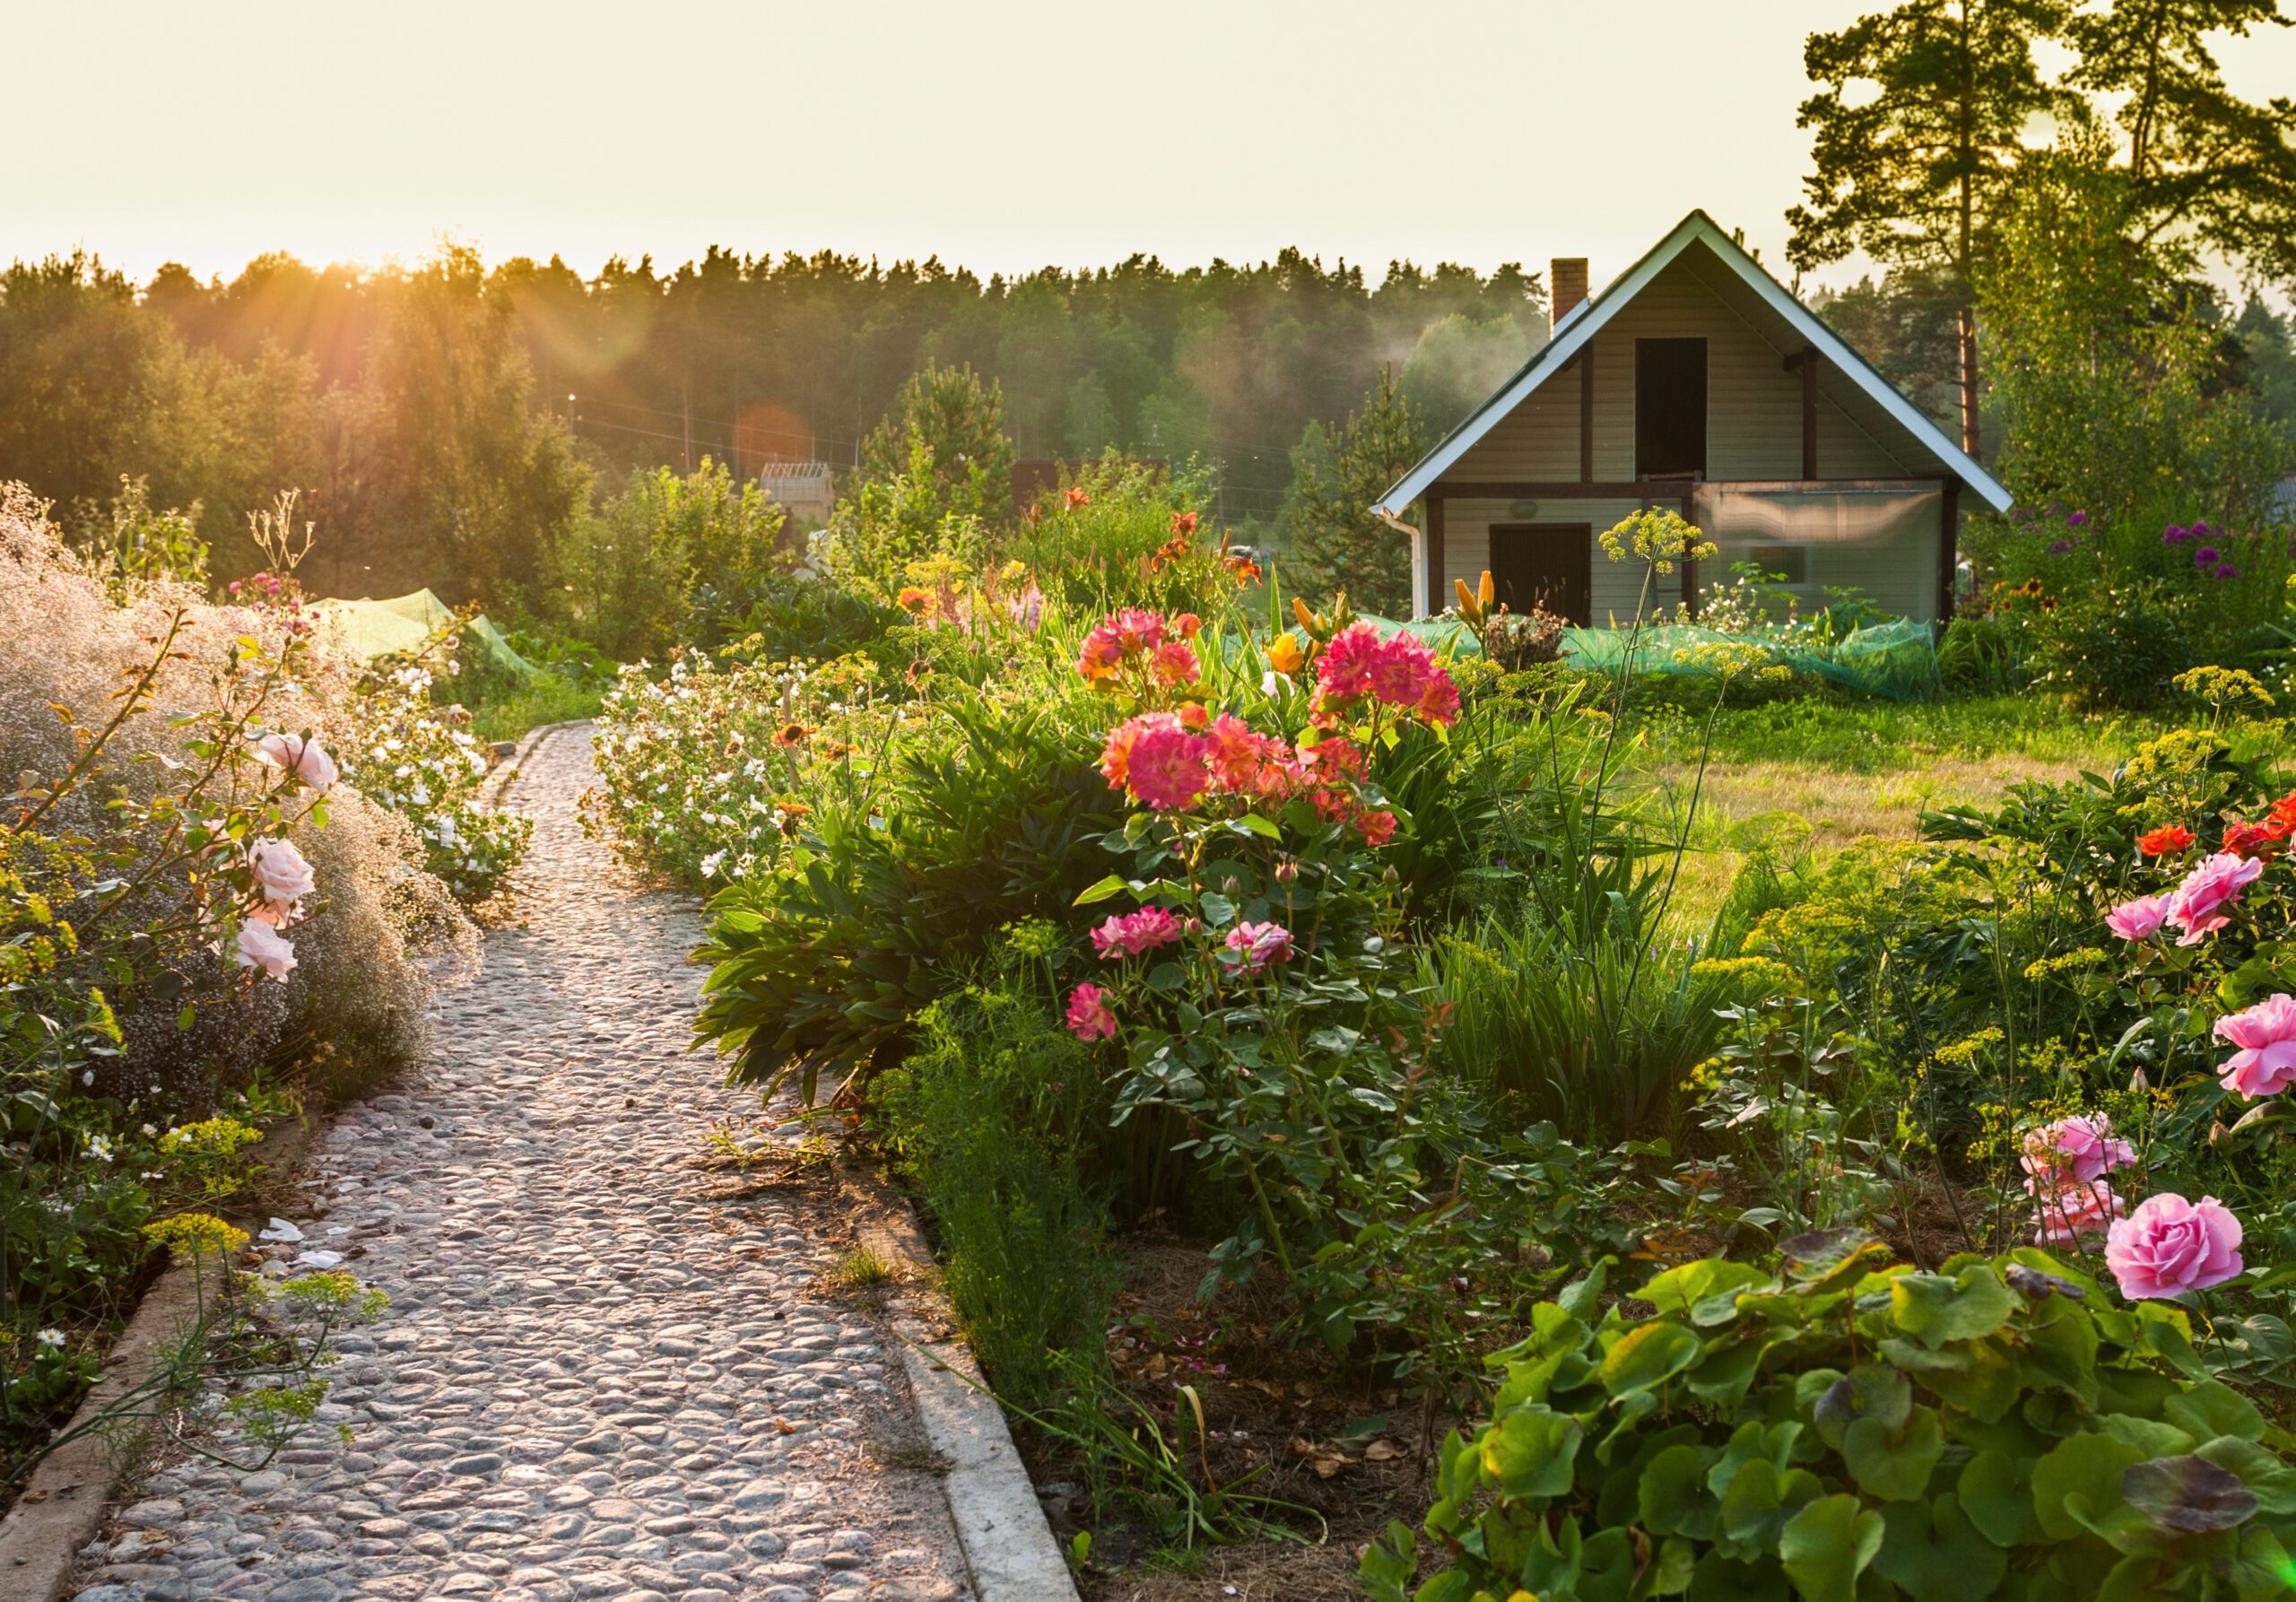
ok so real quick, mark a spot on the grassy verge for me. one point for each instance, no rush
(546, 698)
(1810, 777)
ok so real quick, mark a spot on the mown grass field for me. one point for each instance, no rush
(1805, 779)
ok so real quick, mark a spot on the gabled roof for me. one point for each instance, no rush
(1584, 320)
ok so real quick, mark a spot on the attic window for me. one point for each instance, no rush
(1669, 408)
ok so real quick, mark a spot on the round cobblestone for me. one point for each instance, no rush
(591, 1384)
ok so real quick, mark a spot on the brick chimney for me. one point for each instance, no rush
(1566, 283)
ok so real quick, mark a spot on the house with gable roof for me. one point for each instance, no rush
(1695, 381)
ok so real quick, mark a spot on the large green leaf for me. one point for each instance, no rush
(1674, 1499)
(2213, 1408)
(1868, 1391)
(1760, 1499)
(1935, 1310)
(1531, 1451)
(1997, 1500)
(1893, 1465)
(1827, 1546)
(1647, 1355)
(2087, 1468)
(1680, 1290)
(1933, 1554)
(1825, 1259)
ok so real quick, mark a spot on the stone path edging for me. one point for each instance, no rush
(64, 1503)
(1008, 1542)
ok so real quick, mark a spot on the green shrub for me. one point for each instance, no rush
(1595, 1034)
(1838, 1429)
(996, 1116)
(2110, 647)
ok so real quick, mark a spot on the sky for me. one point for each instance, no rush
(1003, 136)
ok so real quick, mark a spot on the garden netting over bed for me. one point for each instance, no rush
(369, 628)
(1896, 660)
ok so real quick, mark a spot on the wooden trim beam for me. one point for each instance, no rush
(1585, 359)
(1949, 518)
(1810, 363)
(1434, 540)
(1690, 566)
(1647, 489)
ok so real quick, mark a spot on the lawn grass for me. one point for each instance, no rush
(546, 698)
(1813, 776)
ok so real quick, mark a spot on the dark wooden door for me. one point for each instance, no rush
(1544, 564)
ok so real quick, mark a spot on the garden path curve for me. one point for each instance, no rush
(590, 1383)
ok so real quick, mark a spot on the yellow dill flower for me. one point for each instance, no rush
(190, 1236)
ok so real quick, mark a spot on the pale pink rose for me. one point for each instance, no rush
(2081, 1147)
(2138, 919)
(2169, 1245)
(2266, 1063)
(280, 872)
(261, 946)
(2065, 1210)
(2193, 905)
(1259, 945)
(307, 759)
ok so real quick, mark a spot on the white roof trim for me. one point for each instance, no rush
(1585, 321)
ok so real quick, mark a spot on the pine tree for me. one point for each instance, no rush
(1334, 533)
(947, 428)
(2200, 160)
(1916, 137)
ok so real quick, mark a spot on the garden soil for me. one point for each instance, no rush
(600, 1376)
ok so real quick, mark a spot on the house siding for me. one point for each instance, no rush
(1754, 406)
(1754, 432)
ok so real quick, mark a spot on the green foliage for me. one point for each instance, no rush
(1595, 1032)
(1839, 1429)
(944, 433)
(421, 761)
(1331, 531)
(672, 561)
(2104, 365)
(997, 1116)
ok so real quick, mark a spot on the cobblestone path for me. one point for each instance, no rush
(590, 1382)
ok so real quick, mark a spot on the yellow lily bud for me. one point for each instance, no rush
(1466, 601)
(1486, 592)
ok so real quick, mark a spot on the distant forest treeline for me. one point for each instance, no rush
(425, 412)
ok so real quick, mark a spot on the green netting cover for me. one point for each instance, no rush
(371, 628)
(1896, 660)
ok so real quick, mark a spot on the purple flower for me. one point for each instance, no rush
(2077, 520)
(2175, 536)
(2059, 547)
(2200, 531)
(2205, 557)
(2227, 570)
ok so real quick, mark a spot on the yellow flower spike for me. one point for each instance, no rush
(1486, 592)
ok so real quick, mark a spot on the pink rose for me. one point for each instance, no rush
(1136, 932)
(280, 872)
(2081, 1147)
(2266, 1063)
(1089, 1018)
(2169, 1245)
(1165, 765)
(2138, 919)
(1259, 945)
(305, 759)
(2065, 1210)
(261, 946)
(2193, 905)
